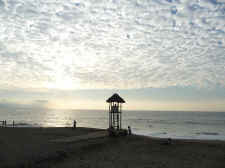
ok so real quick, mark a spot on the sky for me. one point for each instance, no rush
(74, 54)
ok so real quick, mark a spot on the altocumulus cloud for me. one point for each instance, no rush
(112, 43)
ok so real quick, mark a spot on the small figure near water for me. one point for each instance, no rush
(129, 130)
(167, 142)
(4, 124)
(74, 124)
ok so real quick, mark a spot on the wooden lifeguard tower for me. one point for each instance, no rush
(115, 111)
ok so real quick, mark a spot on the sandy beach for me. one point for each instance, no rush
(36, 147)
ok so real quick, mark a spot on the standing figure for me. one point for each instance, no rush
(129, 130)
(74, 124)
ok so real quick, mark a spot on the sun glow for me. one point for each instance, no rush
(61, 84)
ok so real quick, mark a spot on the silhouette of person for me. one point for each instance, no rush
(129, 130)
(74, 124)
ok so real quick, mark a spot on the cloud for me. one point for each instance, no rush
(41, 101)
(112, 44)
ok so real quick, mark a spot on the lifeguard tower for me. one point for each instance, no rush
(115, 111)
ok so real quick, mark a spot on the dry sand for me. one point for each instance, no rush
(33, 147)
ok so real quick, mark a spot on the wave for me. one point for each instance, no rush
(151, 134)
(181, 122)
(207, 133)
(24, 124)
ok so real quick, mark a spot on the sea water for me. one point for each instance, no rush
(173, 124)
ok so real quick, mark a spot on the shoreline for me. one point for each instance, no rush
(32, 147)
(134, 133)
(182, 138)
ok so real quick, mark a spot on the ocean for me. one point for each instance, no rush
(173, 124)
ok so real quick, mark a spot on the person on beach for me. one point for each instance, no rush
(74, 124)
(129, 130)
(169, 141)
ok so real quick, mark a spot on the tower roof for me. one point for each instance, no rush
(115, 98)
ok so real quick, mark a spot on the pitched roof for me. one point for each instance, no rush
(115, 98)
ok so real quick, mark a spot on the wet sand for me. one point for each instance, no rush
(33, 147)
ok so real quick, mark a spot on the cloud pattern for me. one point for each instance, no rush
(112, 43)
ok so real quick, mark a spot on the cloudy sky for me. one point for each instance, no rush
(158, 54)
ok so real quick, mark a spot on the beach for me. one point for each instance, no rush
(37, 147)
